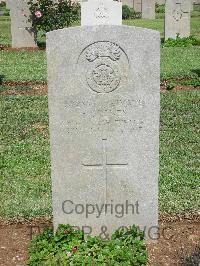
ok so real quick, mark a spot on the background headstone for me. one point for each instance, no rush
(137, 5)
(160, 2)
(148, 9)
(192, 5)
(101, 12)
(103, 93)
(21, 30)
(128, 3)
(177, 18)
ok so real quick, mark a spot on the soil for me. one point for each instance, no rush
(179, 88)
(34, 90)
(29, 49)
(38, 89)
(178, 240)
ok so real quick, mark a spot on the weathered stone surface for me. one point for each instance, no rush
(21, 29)
(103, 91)
(177, 18)
(160, 2)
(128, 3)
(148, 9)
(192, 5)
(101, 12)
(137, 5)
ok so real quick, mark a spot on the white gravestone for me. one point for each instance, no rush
(21, 29)
(177, 18)
(148, 9)
(101, 12)
(103, 91)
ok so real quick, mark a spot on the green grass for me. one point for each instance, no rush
(25, 169)
(179, 151)
(180, 62)
(155, 24)
(158, 24)
(25, 189)
(31, 66)
(23, 66)
(5, 31)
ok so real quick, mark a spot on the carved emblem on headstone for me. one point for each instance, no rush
(103, 74)
(177, 13)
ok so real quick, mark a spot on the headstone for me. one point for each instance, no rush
(192, 5)
(160, 2)
(7, 4)
(148, 9)
(21, 30)
(177, 18)
(103, 91)
(137, 5)
(128, 3)
(101, 12)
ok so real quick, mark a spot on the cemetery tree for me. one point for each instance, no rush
(48, 15)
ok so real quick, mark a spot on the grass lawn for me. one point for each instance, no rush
(25, 186)
(156, 24)
(31, 66)
(23, 66)
(25, 169)
(5, 31)
(25, 189)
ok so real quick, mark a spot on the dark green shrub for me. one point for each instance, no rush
(126, 12)
(68, 247)
(160, 8)
(129, 13)
(47, 15)
(1, 79)
(181, 42)
(3, 9)
(2, 5)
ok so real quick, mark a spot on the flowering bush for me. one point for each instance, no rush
(68, 247)
(47, 15)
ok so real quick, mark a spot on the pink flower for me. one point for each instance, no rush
(65, 232)
(38, 14)
(73, 250)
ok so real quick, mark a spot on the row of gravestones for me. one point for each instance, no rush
(177, 18)
(137, 5)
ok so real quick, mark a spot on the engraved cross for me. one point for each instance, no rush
(105, 165)
(179, 12)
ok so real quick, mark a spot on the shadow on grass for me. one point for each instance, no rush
(193, 259)
(162, 40)
(196, 71)
(41, 45)
(1, 79)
